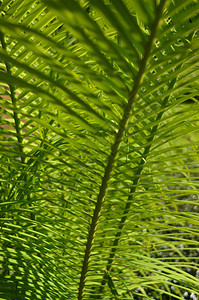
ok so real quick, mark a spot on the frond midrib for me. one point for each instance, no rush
(115, 149)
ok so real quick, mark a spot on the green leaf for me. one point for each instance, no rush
(99, 149)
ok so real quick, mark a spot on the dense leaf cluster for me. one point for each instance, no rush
(99, 149)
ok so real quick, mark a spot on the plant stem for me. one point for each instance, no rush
(114, 151)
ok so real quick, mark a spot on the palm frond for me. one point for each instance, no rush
(99, 149)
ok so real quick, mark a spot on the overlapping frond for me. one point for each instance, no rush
(99, 149)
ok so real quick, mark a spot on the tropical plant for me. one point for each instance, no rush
(99, 149)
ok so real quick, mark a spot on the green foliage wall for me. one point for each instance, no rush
(99, 149)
